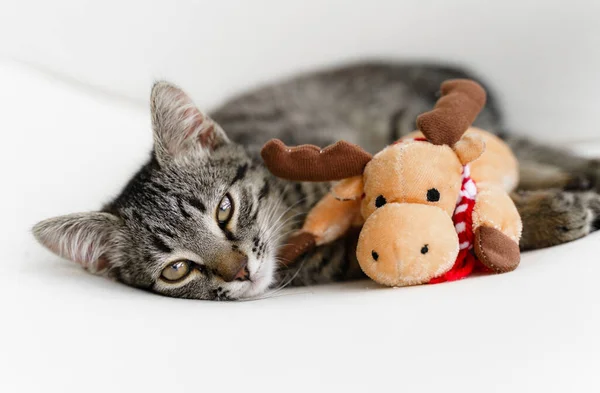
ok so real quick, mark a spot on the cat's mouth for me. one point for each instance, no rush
(260, 277)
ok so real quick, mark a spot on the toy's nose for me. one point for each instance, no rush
(406, 244)
(375, 254)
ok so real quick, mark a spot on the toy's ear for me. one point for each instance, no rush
(469, 148)
(349, 189)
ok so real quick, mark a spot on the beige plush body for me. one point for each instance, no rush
(407, 194)
(497, 165)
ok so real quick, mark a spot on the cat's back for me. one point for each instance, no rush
(363, 103)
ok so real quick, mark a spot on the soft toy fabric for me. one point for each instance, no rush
(433, 206)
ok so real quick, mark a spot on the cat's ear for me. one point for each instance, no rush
(84, 238)
(179, 127)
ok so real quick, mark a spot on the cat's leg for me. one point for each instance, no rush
(543, 166)
(538, 176)
(558, 194)
(555, 216)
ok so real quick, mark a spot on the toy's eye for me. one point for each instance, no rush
(425, 249)
(225, 210)
(380, 201)
(433, 195)
(176, 271)
(374, 255)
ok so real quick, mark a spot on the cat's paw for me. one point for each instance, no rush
(552, 217)
(578, 182)
(587, 179)
(593, 174)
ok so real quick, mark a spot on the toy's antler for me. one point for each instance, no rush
(454, 112)
(311, 163)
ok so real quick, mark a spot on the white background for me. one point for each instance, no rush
(542, 57)
(73, 134)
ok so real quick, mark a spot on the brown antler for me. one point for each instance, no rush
(310, 163)
(454, 112)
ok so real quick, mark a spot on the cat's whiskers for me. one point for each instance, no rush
(271, 211)
(274, 235)
(273, 292)
(267, 229)
(281, 224)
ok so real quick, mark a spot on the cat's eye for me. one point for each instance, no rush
(433, 195)
(225, 210)
(176, 271)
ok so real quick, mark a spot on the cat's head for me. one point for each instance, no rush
(200, 220)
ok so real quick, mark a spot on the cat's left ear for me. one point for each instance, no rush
(85, 238)
(180, 128)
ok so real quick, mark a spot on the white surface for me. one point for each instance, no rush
(540, 55)
(64, 330)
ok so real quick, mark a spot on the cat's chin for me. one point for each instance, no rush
(261, 277)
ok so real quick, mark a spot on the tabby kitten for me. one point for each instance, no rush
(203, 218)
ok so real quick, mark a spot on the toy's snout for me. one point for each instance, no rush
(407, 244)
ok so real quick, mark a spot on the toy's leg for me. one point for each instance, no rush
(495, 250)
(295, 246)
(497, 228)
(328, 221)
(331, 218)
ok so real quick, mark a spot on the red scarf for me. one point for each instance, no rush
(466, 261)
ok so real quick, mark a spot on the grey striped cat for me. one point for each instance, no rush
(204, 219)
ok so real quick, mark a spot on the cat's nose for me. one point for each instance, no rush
(233, 266)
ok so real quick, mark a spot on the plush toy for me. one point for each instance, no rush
(433, 206)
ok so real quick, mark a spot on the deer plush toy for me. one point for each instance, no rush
(433, 206)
